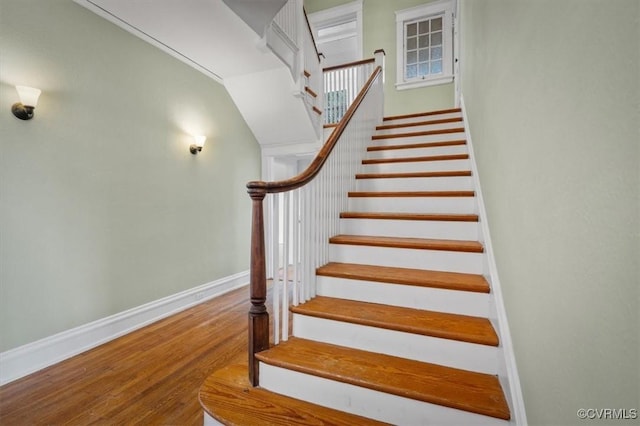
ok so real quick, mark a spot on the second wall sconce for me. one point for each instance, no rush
(28, 101)
(197, 147)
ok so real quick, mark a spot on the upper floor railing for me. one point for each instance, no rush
(305, 210)
(290, 37)
(288, 19)
(342, 83)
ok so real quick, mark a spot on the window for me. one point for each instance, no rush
(336, 104)
(424, 45)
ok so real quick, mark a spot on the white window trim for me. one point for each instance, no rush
(337, 15)
(445, 6)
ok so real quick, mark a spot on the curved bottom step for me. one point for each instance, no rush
(229, 399)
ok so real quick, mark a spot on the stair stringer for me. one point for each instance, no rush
(258, 15)
(254, 96)
(507, 368)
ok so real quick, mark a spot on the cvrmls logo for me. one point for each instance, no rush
(608, 413)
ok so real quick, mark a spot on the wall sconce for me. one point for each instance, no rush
(28, 101)
(197, 147)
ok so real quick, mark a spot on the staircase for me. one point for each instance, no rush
(399, 330)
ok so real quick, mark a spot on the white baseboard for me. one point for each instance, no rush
(23, 360)
(518, 414)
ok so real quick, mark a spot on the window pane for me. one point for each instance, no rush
(423, 27)
(412, 57)
(436, 38)
(423, 69)
(436, 53)
(411, 29)
(423, 41)
(436, 24)
(436, 67)
(423, 55)
(411, 71)
(412, 43)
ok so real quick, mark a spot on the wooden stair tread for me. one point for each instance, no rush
(310, 91)
(411, 194)
(451, 387)
(422, 114)
(419, 123)
(408, 242)
(454, 173)
(408, 320)
(416, 159)
(407, 276)
(417, 145)
(423, 133)
(410, 216)
(228, 397)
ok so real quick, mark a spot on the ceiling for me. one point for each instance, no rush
(205, 34)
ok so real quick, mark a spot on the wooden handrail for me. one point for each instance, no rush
(258, 315)
(350, 64)
(306, 18)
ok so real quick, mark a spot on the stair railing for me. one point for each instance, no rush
(290, 38)
(342, 83)
(306, 209)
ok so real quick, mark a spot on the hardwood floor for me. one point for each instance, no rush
(150, 376)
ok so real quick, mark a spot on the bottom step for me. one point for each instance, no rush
(472, 395)
(228, 397)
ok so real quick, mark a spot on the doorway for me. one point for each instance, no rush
(338, 33)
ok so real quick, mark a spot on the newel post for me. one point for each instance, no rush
(379, 56)
(258, 316)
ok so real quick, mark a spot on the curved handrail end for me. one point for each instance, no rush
(257, 188)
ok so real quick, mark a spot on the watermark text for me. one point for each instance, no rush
(608, 413)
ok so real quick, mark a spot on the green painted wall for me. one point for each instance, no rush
(102, 206)
(379, 32)
(552, 90)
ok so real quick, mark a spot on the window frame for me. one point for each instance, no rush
(445, 8)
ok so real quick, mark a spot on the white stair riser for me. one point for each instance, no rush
(411, 228)
(423, 118)
(365, 402)
(418, 152)
(409, 296)
(450, 353)
(421, 128)
(462, 205)
(453, 183)
(418, 166)
(417, 139)
(210, 421)
(438, 260)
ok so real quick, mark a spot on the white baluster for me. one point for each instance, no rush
(295, 234)
(286, 225)
(276, 267)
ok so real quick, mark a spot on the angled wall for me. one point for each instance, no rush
(102, 207)
(552, 91)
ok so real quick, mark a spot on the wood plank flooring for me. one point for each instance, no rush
(151, 376)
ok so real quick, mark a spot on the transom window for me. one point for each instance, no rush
(425, 45)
